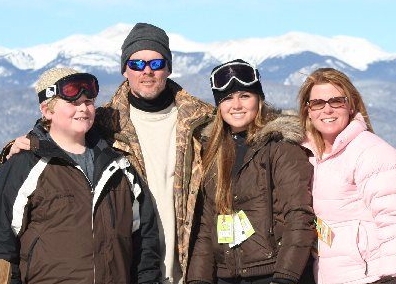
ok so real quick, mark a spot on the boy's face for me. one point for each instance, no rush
(71, 120)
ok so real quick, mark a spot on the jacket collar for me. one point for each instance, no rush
(43, 146)
(353, 129)
(281, 127)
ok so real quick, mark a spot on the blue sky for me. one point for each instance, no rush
(25, 23)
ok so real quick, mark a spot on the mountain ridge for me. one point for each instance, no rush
(357, 52)
(283, 61)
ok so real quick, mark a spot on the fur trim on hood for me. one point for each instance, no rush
(281, 125)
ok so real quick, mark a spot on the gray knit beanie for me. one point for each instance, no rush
(50, 77)
(145, 37)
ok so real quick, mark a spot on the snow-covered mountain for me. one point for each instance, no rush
(103, 48)
(283, 61)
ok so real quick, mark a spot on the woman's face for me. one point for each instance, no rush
(329, 121)
(239, 109)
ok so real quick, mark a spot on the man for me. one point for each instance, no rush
(157, 123)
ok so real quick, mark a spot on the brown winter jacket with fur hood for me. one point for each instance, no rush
(284, 253)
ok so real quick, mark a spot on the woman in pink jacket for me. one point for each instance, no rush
(354, 185)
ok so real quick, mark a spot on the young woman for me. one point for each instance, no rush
(257, 220)
(354, 185)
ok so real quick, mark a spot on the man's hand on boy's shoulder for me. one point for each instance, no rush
(14, 147)
(5, 152)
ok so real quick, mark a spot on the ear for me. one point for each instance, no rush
(45, 111)
(168, 72)
(309, 112)
(125, 74)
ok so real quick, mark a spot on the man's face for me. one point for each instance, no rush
(146, 84)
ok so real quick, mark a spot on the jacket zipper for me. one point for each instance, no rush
(92, 221)
(93, 232)
(269, 181)
(92, 217)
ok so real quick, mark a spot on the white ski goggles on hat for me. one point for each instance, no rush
(244, 73)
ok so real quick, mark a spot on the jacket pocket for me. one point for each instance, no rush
(346, 254)
(348, 241)
(257, 248)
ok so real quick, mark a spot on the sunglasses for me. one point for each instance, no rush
(335, 102)
(244, 73)
(139, 64)
(70, 88)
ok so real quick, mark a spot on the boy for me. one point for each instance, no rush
(72, 210)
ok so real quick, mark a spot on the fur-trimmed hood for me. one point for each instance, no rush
(282, 125)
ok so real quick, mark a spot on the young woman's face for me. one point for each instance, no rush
(329, 121)
(239, 109)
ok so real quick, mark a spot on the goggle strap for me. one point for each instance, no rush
(47, 93)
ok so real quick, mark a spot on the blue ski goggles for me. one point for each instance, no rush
(139, 64)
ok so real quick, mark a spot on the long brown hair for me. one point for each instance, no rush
(342, 82)
(220, 155)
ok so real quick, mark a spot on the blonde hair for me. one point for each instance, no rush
(341, 82)
(50, 105)
(220, 154)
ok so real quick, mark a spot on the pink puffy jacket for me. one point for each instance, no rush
(354, 192)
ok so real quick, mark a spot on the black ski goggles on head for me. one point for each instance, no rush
(140, 64)
(244, 73)
(70, 88)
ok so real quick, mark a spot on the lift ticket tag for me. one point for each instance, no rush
(324, 231)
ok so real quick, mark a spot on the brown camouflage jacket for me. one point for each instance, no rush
(193, 114)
